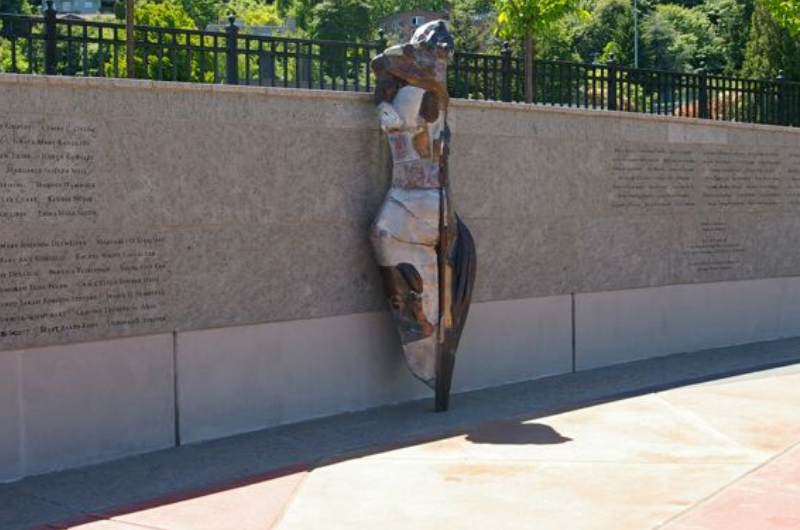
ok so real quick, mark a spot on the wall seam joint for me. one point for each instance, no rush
(573, 326)
(175, 400)
(22, 459)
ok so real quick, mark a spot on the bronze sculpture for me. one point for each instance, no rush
(425, 253)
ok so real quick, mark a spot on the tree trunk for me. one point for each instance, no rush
(529, 52)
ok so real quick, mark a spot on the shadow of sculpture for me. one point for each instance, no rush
(517, 434)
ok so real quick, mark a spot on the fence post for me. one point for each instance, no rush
(782, 118)
(50, 43)
(612, 82)
(381, 40)
(702, 89)
(505, 78)
(232, 52)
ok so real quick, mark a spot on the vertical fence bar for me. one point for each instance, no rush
(50, 42)
(14, 67)
(612, 84)
(160, 55)
(285, 57)
(31, 55)
(85, 51)
(781, 99)
(702, 81)
(101, 53)
(232, 52)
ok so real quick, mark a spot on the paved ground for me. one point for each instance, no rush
(704, 441)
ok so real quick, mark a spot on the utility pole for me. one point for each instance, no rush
(131, 66)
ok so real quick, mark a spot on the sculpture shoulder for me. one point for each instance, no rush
(391, 56)
(386, 82)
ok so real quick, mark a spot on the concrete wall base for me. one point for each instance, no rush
(80, 404)
(233, 380)
(622, 326)
(73, 405)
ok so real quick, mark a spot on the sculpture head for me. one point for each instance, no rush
(435, 37)
(421, 62)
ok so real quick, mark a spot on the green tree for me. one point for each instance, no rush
(679, 38)
(20, 63)
(301, 10)
(255, 12)
(469, 34)
(771, 48)
(524, 18)
(786, 13)
(152, 65)
(557, 41)
(342, 20)
(381, 9)
(163, 14)
(203, 12)
(15, 6)
(159, 13)
(731, 21)
(609, 29)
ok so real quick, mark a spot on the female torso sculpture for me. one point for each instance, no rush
(426, 255)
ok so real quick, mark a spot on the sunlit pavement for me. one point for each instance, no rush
(718, 455)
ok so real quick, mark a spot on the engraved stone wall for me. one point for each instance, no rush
(572, 202)
(132, 208)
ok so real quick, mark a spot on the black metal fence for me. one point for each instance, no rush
(75, 47)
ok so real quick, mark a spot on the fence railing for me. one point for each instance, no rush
(76, 47)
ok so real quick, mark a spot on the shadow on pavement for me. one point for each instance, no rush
(517, 434)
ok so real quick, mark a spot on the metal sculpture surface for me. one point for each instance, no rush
(425, 253)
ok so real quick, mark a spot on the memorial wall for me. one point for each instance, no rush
(130, 210)
(188, 262)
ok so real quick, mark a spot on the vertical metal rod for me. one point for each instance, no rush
(247, 72)
(85, 51)
(703, 92)
(232, 59)
(129, 29)
(612, 84)
(50, 46)
(781, 99)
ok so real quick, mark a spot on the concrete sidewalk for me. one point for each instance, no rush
(685, 442)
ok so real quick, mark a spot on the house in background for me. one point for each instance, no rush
(400, 26)
(86, 7)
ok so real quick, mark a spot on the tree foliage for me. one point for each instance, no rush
(255, 12)
(681, 39)
(202, 12)
(731, 22)
(383, 8)
(607, 30)
(343, 20)
(468, 35)
(15, 6)
(516, 18)
(163, 13)
(786, 13)
(771, 48)
(524, 18)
